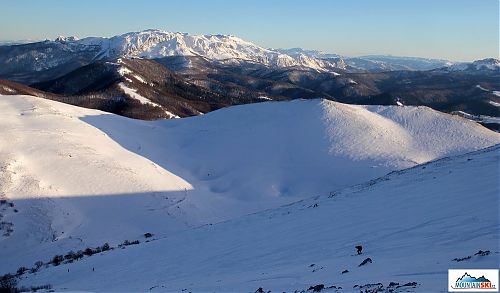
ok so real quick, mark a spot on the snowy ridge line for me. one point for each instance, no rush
(363, 186)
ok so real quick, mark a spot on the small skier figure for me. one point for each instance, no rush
(359, 248)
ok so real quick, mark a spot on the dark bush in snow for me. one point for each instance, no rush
(21, 270)
(127, 243)
(316, 288)
(36, 288)
(57, 260)
(366, 261)
(462, 258)
(70, 255)
(8, 284)
(79, 254)
(148, 235)
(105, 247)
(482, 253)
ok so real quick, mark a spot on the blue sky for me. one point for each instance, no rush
(450, 29)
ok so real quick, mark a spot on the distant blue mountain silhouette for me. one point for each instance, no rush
(468, 278)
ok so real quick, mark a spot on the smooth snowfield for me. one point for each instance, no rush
(79, 178)
(412, 224)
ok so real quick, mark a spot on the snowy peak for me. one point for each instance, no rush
(225, 48)
(487, 64)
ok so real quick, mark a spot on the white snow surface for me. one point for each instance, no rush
(412, 225)
(483, 64)
(493, 102)
(81, 177)
(480, 118)
(155, 43)
(134, 95)
(482, 88)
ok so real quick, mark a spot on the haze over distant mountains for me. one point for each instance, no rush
(157, 74)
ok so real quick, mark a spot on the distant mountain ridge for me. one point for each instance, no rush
(56, 57)
(17, 60)
(156, 74)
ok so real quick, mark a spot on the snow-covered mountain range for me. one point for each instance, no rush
(223, 48)
(157, 74)
(157, 44)
(488, 64)
(75, 178)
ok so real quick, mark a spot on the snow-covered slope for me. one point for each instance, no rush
(156, 44)
(488, 64)
(80, 177)
(414, 225)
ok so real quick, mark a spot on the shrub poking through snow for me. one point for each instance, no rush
(482, 253)
(21, 270)
(70, 255)
(8, 284)
(366, 261)
(316, 288)
(127, 243)
(88, 251)
(57, 260)
(105, 247)
(462, 258)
